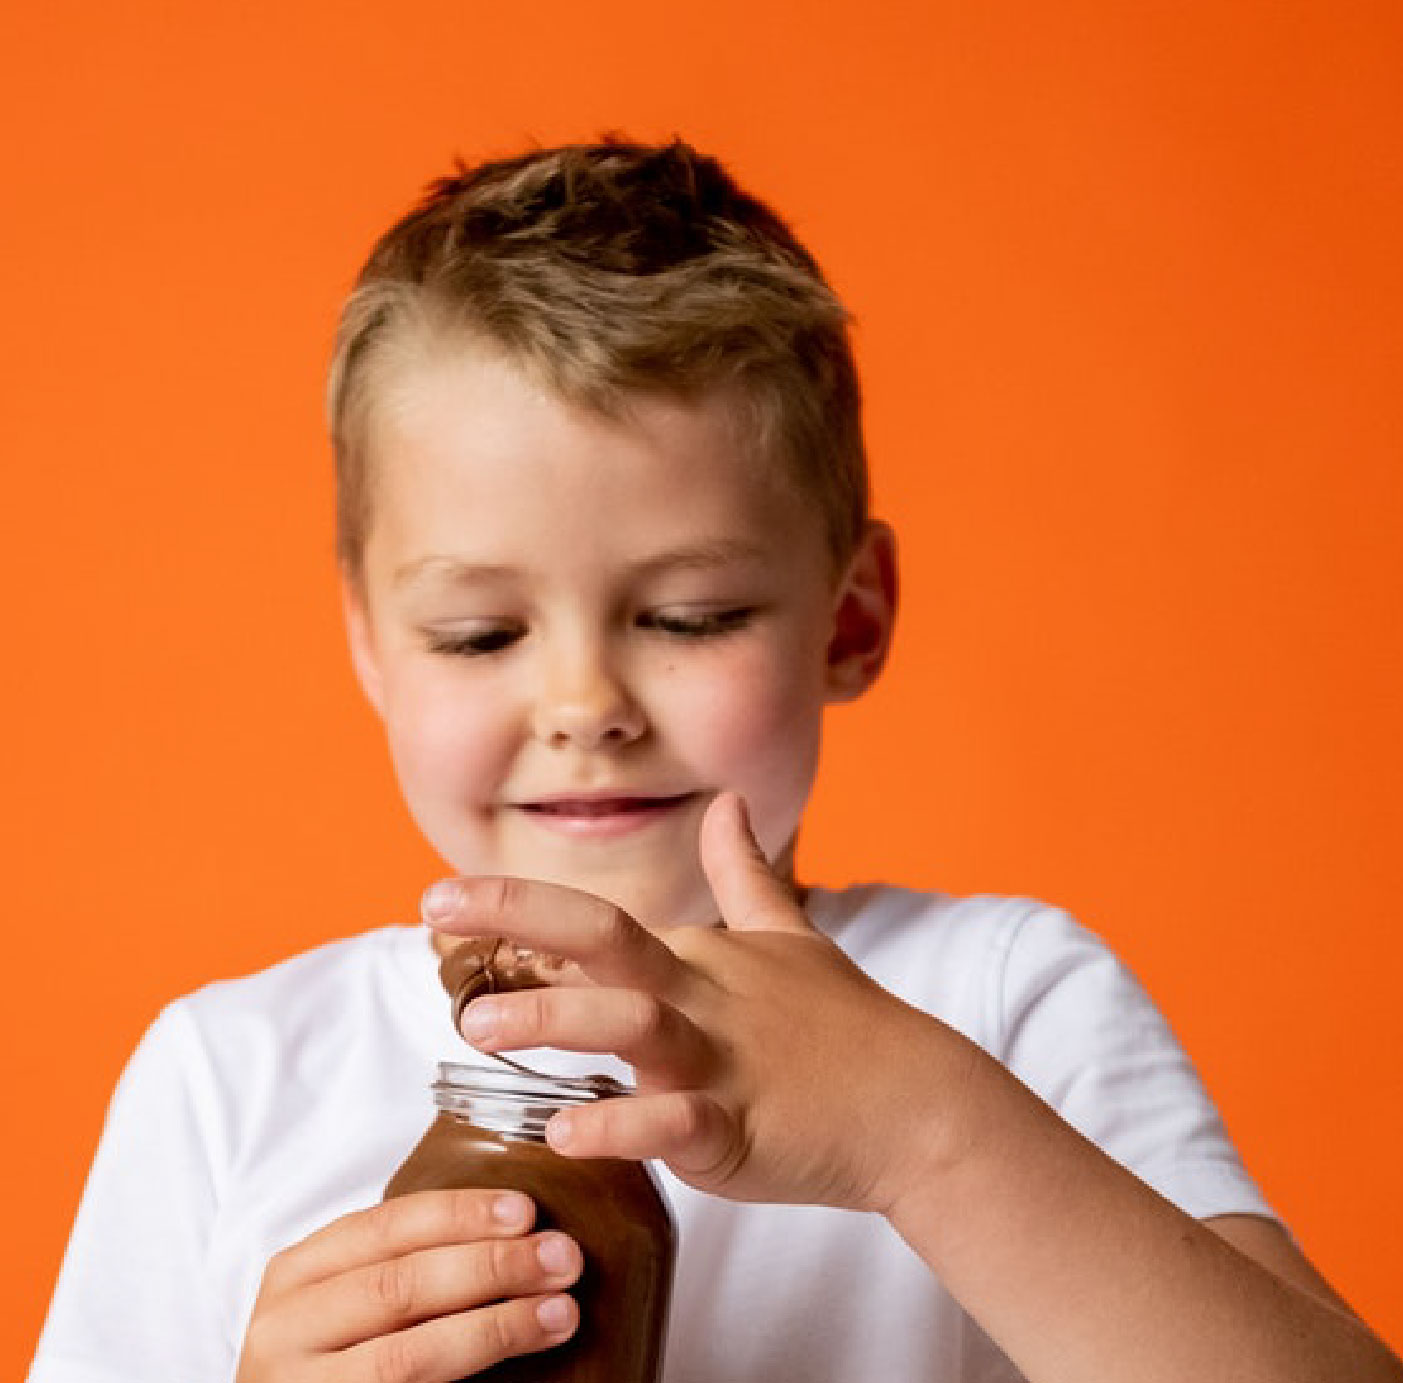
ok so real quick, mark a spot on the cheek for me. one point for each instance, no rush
(444, 739)
(753, 723)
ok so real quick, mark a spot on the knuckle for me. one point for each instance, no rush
(489, 899)
(256, 1347)
(700, 946)
(464, 1214)
(534, 1011)
(613, 928)
(502, 1333)
(686, 1119)
(696, 1121)
(504, 1264)
(703, 957)
(688, 943)
(646, 1018)
(398, 1359)
(595, 1125)
(505, 896)
(277, 1268)
(381, 1226)
(392, 1285)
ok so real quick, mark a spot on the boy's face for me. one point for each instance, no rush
(577, 630)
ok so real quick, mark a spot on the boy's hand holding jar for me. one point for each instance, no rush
(431, 1287)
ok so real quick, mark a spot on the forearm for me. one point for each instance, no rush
(1080, 1272)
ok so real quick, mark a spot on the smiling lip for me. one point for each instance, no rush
(601, 814)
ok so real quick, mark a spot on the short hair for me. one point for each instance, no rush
(609, 270)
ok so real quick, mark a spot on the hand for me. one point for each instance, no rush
(432, 1287)
(768, 1066)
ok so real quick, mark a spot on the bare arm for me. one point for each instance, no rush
(1265, 1242)
(1079, 1271)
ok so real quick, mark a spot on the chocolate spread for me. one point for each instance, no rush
(489, 964)
(610, 1207)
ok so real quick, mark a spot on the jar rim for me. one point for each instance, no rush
(519, 1083)
(512, 1100)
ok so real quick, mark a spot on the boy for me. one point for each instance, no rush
(606, 559)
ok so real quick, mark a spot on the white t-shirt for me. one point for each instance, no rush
(257, 1110)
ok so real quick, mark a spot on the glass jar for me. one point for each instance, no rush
(489, 1133)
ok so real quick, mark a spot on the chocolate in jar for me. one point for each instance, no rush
(489, 1133)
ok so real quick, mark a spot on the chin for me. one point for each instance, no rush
(658, 903)
(659, 906)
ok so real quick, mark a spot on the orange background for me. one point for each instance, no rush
(1129, 283)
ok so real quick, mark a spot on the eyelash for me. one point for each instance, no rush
(703, 626)
(472, 645)
(710, 626)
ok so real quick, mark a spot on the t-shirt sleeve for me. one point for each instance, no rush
(1076, 1026)
(133, 1302)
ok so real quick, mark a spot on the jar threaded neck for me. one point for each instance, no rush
(513, 1102)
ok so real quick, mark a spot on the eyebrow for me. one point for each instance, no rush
(703, 556)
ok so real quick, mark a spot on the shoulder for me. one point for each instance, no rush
(245, 1060)
(995, 966)
(1010, 932)
(305, 1012)
(308, 978)
(876, 915)
(1051, 1001)
(951, 955)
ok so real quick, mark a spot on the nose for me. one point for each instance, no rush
(584, 704)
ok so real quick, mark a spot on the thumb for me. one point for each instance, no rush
(750, 895)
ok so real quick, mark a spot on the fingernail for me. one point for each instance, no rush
(556, 1254)
(511, 1212)
(560, 1130)
(479, 1020)
(556, 1315)
(441, 900)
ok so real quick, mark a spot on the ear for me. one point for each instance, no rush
(864, 615)
(360, 635)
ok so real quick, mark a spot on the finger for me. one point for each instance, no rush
(389, 1296)
(690, 1131)
(606, 943)
(750, 895)
(421, 1220)
(650, 1035)
(460, 1346)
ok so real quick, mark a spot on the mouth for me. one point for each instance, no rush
(592, 815)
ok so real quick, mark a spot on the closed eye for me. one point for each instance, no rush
(474, 644)
(702, 625)
(698, 626)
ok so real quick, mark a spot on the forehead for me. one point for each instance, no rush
(458, 429)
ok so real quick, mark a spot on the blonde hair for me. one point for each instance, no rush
(608, 270)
